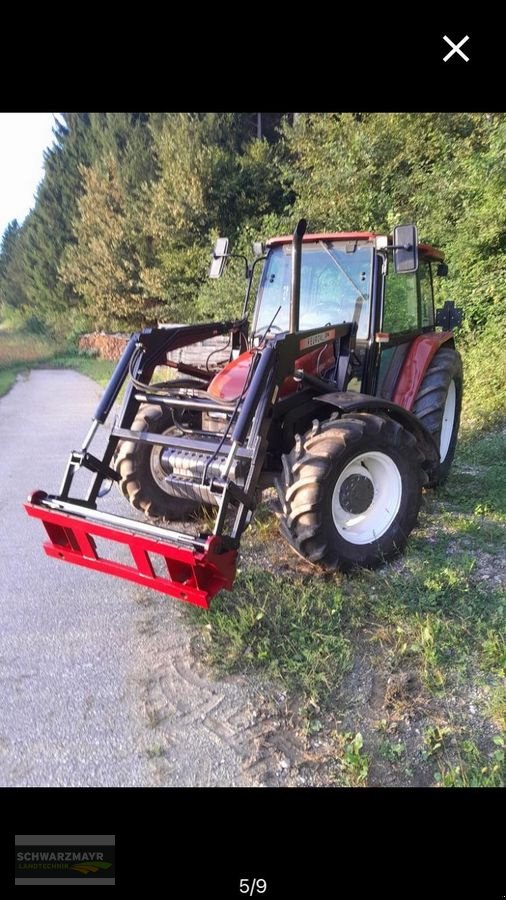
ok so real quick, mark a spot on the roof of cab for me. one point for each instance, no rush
(325, 236)
(425, 250)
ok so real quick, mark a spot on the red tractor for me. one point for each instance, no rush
(342, 395)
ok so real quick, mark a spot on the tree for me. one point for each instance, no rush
(105, 261)
(214, 178)
(13, 298)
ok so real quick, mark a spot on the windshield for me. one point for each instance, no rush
(335, 286)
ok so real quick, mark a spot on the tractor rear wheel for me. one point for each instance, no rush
(142, 477)
(438, 406)
(351, 491)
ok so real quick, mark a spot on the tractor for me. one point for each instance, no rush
(341, 395)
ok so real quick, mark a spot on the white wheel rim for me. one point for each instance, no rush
(366, 497)
(448, 421)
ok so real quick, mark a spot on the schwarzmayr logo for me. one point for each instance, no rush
(84, 862)
(39, 861)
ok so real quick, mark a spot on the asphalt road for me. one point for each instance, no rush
(98, 686)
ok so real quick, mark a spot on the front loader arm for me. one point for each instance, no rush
(198, 566)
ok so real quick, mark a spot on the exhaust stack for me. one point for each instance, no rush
(296, 268)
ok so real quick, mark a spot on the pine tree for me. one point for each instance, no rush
(13, 298)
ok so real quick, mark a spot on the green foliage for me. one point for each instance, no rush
(476, 769)
(131, 203)
(443, 171)
(104, 264)
(352, 761)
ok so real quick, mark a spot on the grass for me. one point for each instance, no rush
(292, 631)
(21, 351)
(474, 768)
(436, 618)
(352, 764)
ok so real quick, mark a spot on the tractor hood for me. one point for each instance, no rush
(229, 382)
(227, 385)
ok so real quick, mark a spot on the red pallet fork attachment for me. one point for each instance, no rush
(196, 572)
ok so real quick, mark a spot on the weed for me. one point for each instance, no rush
(433, 740)
(353, 764)
(155, 752)
(474, 768)
(494, 652)
(496, 706)
(392, 751)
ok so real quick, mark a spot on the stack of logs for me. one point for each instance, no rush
(111, 346)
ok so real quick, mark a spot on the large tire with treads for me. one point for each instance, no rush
(140, 481)
(438, 405)
(351, 491)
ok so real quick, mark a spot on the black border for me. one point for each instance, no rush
(305, 842)
(197, 843)
(321, 59)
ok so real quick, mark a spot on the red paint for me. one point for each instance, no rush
(419, 356)
(194, 576)
(309, 363)
(429, 252)
(229, 382)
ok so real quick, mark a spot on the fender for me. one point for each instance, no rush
(418, 359)
(351, 401)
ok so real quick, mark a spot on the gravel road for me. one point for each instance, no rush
(98, 683)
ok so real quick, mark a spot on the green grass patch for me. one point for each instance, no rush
(475, 768)
(22, 348)
(291, 631)
(7, 379)
(22, 351)
(98, 369)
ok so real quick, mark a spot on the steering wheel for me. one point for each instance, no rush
(260, 332)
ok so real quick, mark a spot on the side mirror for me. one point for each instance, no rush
(258, 248)
(405, 249)
(218, 258)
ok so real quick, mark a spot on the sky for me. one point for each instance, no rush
(23, 138)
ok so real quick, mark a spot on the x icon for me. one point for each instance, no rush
(455, 48)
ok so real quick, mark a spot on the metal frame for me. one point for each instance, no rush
(197, 567)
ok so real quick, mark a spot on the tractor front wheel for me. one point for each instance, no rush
(142, 477)
(351, 491)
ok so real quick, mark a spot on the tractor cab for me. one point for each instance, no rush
(382, 285)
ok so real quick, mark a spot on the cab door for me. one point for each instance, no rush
(408, 311)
